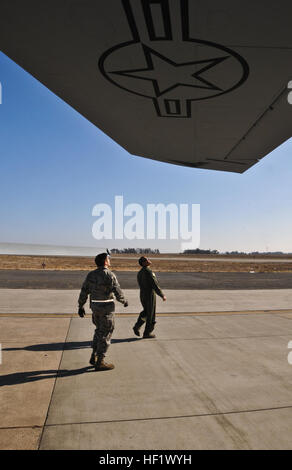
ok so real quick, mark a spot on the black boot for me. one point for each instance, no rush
(136, 330)
(137, 326)
(148, 331)
(93, 359)
(149, 335)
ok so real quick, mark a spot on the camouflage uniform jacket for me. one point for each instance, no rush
(148, 282)
(100, 284)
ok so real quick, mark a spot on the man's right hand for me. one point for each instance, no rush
(126, 303)
(81, 312)
(164, 298)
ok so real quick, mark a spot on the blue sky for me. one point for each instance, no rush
(55, 166)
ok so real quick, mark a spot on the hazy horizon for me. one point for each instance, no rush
(10, 248)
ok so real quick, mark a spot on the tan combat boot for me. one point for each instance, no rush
(102, 365)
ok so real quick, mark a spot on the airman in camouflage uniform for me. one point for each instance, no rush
(148, 289)
(101, 284)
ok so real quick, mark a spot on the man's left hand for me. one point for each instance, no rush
(81, 312)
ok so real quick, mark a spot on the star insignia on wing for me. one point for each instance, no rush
(166, 75)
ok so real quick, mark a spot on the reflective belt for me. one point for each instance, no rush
(109, 300)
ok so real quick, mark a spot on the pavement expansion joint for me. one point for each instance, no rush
(195, 415)
(53, 390)
(223, 338)
(34, 426)
(169, 314)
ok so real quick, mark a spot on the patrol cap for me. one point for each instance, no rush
(142, 260)
(100, 259)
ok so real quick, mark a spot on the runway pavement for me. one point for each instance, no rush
(24, 279)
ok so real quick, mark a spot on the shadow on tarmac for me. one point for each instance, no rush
(53, 346)
(32, 376)
(65, 346)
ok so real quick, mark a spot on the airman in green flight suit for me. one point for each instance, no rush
(148, 289)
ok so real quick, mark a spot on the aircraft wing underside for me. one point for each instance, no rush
(199, 83)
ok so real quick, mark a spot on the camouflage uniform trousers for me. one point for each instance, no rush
(103, 319)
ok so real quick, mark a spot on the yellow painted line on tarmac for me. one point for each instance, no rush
(169, 314)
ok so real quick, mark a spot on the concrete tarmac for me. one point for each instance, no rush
(205, 382)
(34, 301)
(217, 376)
